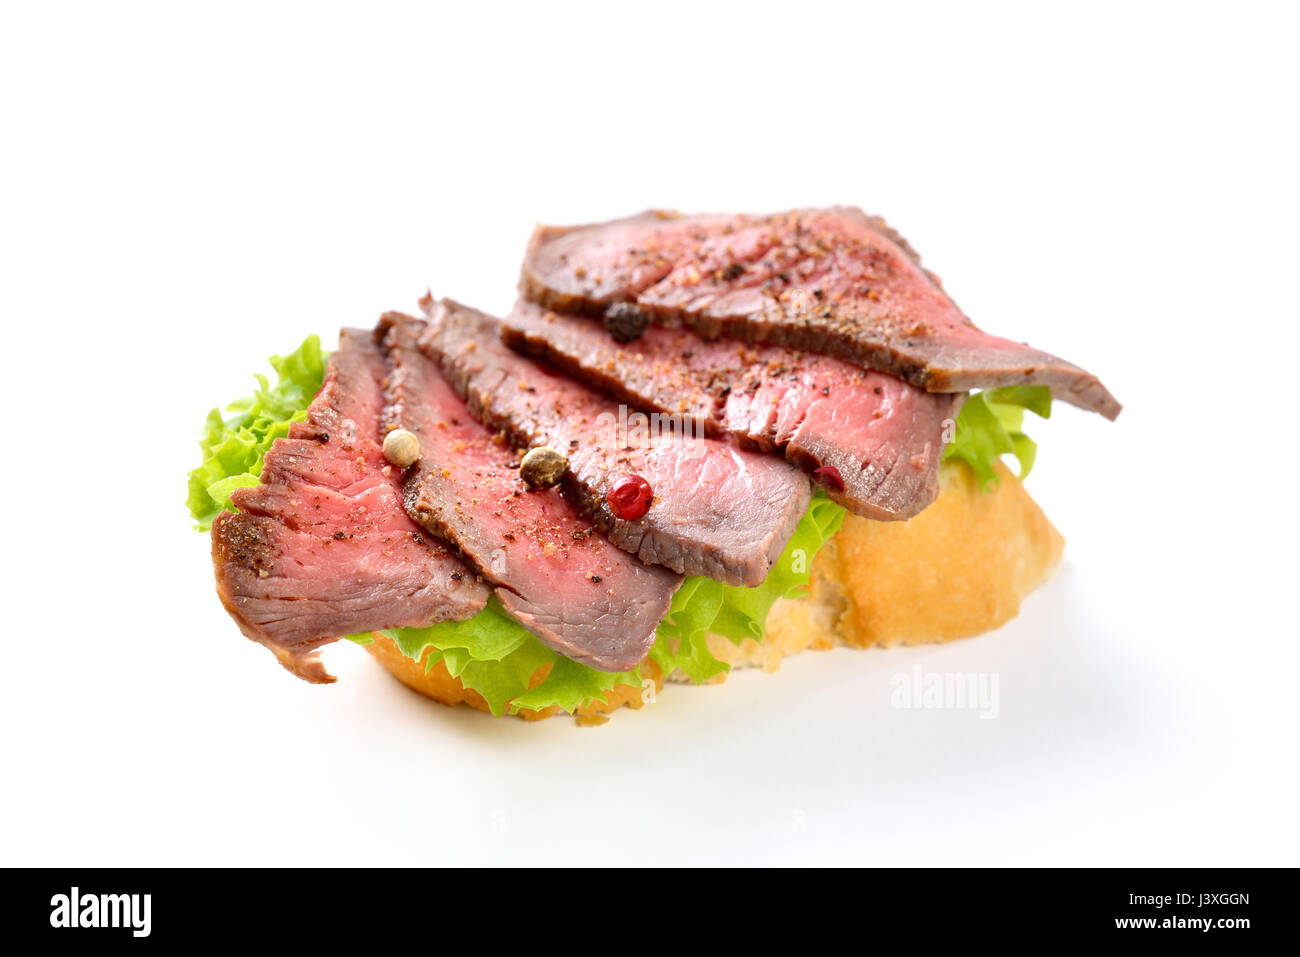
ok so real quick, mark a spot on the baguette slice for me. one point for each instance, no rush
(959, 568)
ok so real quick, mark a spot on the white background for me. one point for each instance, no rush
(185, 191)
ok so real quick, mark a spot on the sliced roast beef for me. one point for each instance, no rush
(554, 571)
(878, 438)
(323, 547)
(834, 281)
(717, 510)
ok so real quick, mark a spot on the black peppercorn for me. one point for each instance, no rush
(625, 322)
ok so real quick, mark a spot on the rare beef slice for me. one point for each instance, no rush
(834, 281)
(323, 547)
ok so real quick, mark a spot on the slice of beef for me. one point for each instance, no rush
(323, 548)
(718, 510)
(882, 436)
(554, 571)
(835, 281)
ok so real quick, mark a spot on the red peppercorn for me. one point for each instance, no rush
(829, 476)
(629, 497)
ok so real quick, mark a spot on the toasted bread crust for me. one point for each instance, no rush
(960, 568)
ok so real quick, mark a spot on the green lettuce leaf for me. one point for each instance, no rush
(233, 447)
(681, 640)
(744, 610)
(990, 426)
(496, 656)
